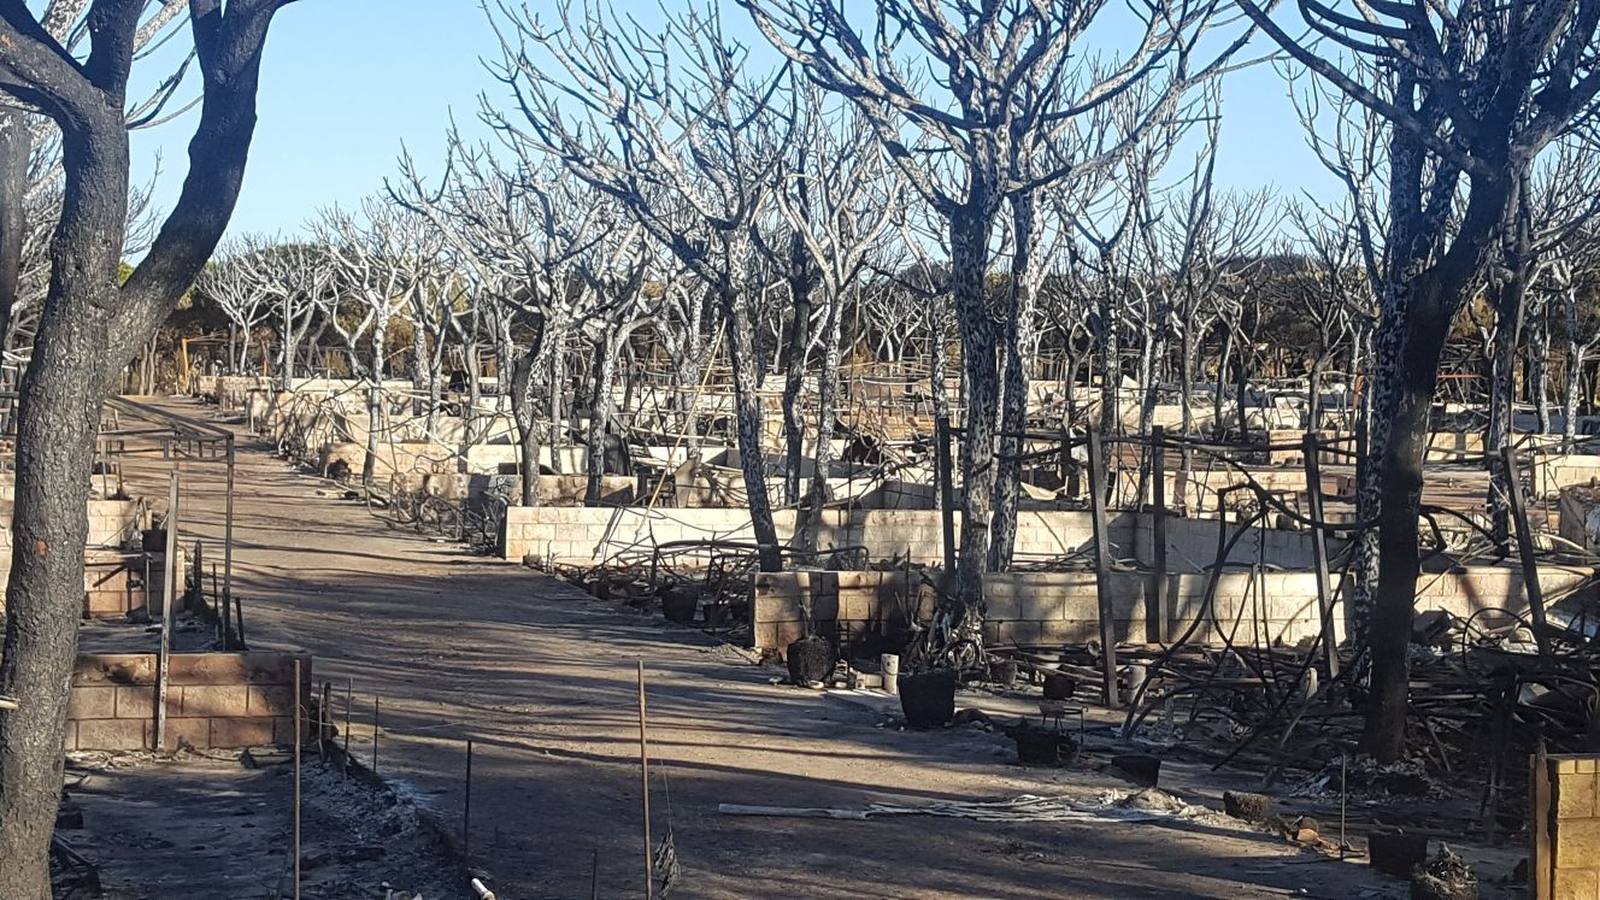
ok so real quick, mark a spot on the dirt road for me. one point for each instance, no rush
(542, 678)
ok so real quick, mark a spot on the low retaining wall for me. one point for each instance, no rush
(587, 536)
(1566, 827)
(1063, 607)
(1553, 473)
(214, 700)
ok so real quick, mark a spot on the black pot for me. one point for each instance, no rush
(1043, 746)
(154, 540)
(810, 659)
(1139, 768)
(679, 606)
(1395, 852)
(1059, 686)
(928, 698)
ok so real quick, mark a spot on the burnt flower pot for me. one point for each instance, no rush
(679, 606)
(1039, 746)
(928, 698)
(810, 659)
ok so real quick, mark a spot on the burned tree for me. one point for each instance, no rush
(89, 325)
(1009, 90)
(686, 146)
(1468, 96)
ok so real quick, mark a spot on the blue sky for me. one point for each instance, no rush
(345, 82)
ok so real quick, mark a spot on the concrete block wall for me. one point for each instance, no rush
(1553, 473)
(1063, 607)
(1566, 840)
(116, 583)
(214, 700)
(1038, 607)
(591, 535)
(1200, 492)
(554, 490)
(1579, 516)
(587, 536)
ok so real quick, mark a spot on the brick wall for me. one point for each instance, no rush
(214, 700)
(1566, 836)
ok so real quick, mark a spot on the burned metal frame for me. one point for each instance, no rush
(185, 438)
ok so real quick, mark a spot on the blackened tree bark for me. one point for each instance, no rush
(88, 327)
(1515, 79)
(524, 400)
(1014, 404)
(16, 143)
(802, 280)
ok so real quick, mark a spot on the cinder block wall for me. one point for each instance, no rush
(1052, 607)
(1566, 838)
(589, 535)
(1552, 473)
(214, 700)
(1036, 607)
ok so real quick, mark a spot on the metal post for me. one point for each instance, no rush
(169, 576)
(374, 735)
(947, 512)
(1530, 567)
(466, 811)
(1155, 602)
(644, 779)
(349, 698)
(299, 714)
(1319, 553)
(227, 556)
(1102, 569)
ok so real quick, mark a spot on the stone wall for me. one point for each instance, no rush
(214, 700)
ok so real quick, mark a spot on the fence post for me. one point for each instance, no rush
(1102, 569)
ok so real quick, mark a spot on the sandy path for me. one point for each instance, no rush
(542, 678)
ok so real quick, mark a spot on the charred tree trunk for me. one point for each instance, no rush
(605, 355)
(747, 409)
(89, 327)
(1426, 308)
(380, 333)
(1576, 351)
(1014, 393)
(969, 233)
(1221, 391)
(557, 391)
(1539, 369)
(802, 281)
(522, 395)
(16, 143)
(827, 410)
